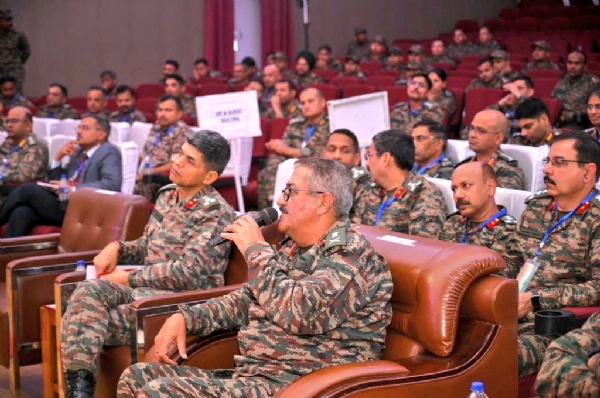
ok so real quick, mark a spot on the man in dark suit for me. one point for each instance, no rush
(94, 163)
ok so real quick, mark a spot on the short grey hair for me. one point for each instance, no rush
(101, 122)
(213, 147)
(332, 176)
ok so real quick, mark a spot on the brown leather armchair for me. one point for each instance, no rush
(93, 219)
(453, 323)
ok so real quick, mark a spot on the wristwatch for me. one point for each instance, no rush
(536, 301)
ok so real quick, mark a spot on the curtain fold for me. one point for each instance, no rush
(277, 28)
(218, 34)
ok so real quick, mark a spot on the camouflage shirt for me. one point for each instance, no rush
(174, 247)
(131, 117)
(496, 82)
(520, 140)
(508, 173)
(359, 49)
(358, 74)
(170, 141)
(14, 52)
(17, 100)
(495, 235)
(564, 372)
(302, 311)
(335, 64)
(420, 208)
(362, 182)
(456, 52)
(104, 113)
(444, 59)
(573, 95)
(292, 111)
(189, 105)
(28, 163)
(569, 273)
(542, 65)
(403, 118)
(442, 169)
(446, 101)
(65, 111)
(508, 77)
(309, 78)
(484, 49)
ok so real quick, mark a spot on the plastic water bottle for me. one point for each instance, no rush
(146, 164)
(63, 192)
(477, 390)
(81, 265)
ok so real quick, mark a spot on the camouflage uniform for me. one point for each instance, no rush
(495, 235)
(444, 59)
(263, 110)
(104, 113)
(569, 273)
(64, 112)
(403, 118)
(335, 65)
(292, 111)
(508, 173)
(594, 132)
(309, 78)
(543, 65)
(573, 94)
(14, 52)
(420, 210)
(520, 140)
(358, 74)
(17, 100)
(485, 49)
(359, 50)
(189, 105)
(496, 82)
(331, 306)
(508, 77)
(564, 372)
(168, 145)
(442, 169)
(446, 101)
(362, 182)
(294, 136)
(177, 257)
(456, 52)
(131, 117)
(28, 163)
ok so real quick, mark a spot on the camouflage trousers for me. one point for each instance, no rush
(532, 348)
(154, 380)
(97, 315)
(266, 181)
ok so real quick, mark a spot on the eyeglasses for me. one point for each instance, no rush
(560, 162)
(287, 191)
(369, 155)
(12, 121)
(415, 83)
(480, 130)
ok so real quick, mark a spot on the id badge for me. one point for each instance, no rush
(527, 273)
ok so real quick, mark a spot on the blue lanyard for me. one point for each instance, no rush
(387, 203)
(13, 100)
(126, 118)
(13, 150)
(428, 165)
(80, 168)
(564, 218)
(309, 131)
(157, 138)
(416, 111)
(481, 226)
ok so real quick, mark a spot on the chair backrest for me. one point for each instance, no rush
(544, 86)
(66, 127)
(42, 126)
(119, 132)
(396, 94)
(458, 150)
(513, 200)
(530, 161)
(150, 90)
(554, 108)
(244, 159)
(129, 160)
(477, 99)
(446, 187)
(3, 135)
(95, 218)
(56, 142)
(353, 90)
(278, 127)
(139, 134)
(330, 91)
(343, 80)
(214, 88)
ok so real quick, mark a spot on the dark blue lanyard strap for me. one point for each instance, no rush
(481, 226)
(387, 203)
(416, 111)
(309, 132)
(157, 138)
(428, 165)
(126, 118)
(80, 168)
(13, 100)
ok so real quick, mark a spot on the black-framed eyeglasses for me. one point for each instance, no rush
(560, 162)
(369, 155)
(287, 191)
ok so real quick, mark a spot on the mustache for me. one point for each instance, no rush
(462, 202)
(549, 180)
(283, 209)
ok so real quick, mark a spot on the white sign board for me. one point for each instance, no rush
(364, 115)
(233, 115)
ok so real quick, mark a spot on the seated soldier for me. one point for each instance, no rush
(174, 250)
(259, 87)
(555, 252)
(416, 54)
(405, 115)
(163, 144)
(398, 199)
(571, 364)
(486, 44)
(56, 106)
(201, 71)
(94, 162)
(324, 55)
(271, 75)
(478, 220)
(305, 63)
(519, 90)
(439, 94)
(284, 102)
(378, 51)
(96, 103)
(282, 64)
(395, 60)
(430, 142)
(460, 47)
(487, 131)
(175, 85)
(360, 46)
(108, 80)
(10, 96)
(352, 68)
(487, 76)
(239, 75)
(502, 67)
(438, 54)
(126, 103)
(533, 119)
(593, 112)
(540, 56)
(304, 137)
(170, 67)
(330, 305)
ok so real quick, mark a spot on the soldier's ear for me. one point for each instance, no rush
(590, 172)
(210, 177)
(325, 203)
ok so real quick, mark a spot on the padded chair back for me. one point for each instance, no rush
(530, 161)
(129, 160)
(42, 126)
(66, 127)
(139, 134)
(458, 150)
(119, 132)
(56, 142)
(446, 187)
(513, 200)
(95, 218)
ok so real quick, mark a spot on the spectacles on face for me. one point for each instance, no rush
(13, 121)
(560, 162)
(369, 155)
(287, 191)
(415, 83)
(480, 130)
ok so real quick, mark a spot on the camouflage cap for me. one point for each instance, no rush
(354, 58)
(5, 14)
(499, 54)
(279, 56)
(359, 31)
(416, 65)
(416, 49)
(396, 51)
(543, 44)
(378, 39)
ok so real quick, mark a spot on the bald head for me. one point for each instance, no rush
(496, 119)
(21, 122)
(271, 75)
(488, 130)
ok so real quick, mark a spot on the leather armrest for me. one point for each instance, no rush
(70, 277)
(184, 297)
(29, 243)
(54, 259)
(328, 379)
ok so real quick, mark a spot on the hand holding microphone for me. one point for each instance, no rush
(246, 229)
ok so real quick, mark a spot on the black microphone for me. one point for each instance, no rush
(264, 217)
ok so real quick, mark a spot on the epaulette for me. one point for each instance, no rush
(590, 130)
(66, 106)
(537, 195)
(323, 121)
(596, 200)
(31, 140)
(453, 214)
(446, 162)
(297, 120)
(503, 156)
(428, 104)
(181, 123)
(358, 173)
(167, 187)
(508, 219)
(413, 185)
(336, 237)
(209, 203)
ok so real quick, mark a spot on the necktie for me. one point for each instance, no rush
(80, 166)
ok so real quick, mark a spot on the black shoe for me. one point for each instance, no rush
(80, 383)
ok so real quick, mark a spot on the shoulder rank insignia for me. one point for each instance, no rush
(596, 200)
(209, 203)
(508, 219)
(297, 120)
(358, 173)
(537, 195)
(413, 185)
(31, 140)
(337, 237)
(167, 188)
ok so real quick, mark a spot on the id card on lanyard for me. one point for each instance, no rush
(309, 132)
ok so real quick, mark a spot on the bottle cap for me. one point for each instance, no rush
(477, 386)
(63, 176)
(80, 263)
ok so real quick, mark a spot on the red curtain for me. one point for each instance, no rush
(277, 28)
(218, 34)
